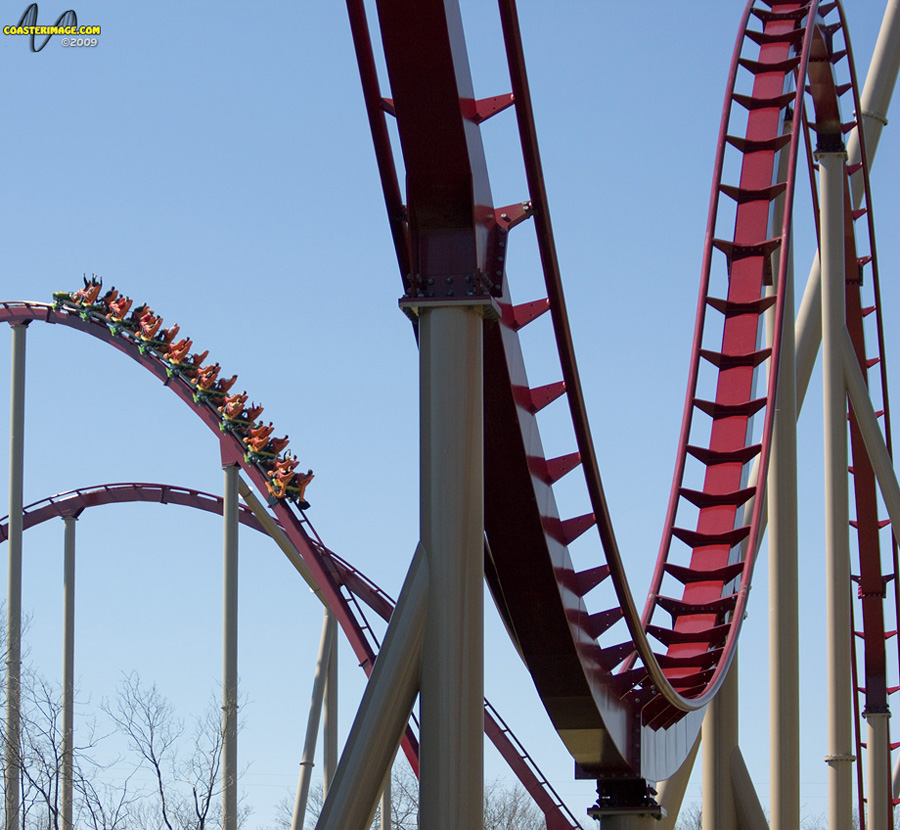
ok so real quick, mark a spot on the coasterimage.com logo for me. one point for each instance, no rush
(66, 25)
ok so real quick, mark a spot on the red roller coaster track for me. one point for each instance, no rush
(625, 708)
(353, 582)
(341, 584)
(625, 690)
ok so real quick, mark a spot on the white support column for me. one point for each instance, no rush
(874, 100)
(385, 814)
(330, 717)
(869, 429)
(895, 780)
(452, 533)
(68, 690)
(329, 632)
(230, 649)
(837, 517)
(808, 332)
(14, 595)
(277, 534)
(878, 770)
(750, 814)
(718, 744)
(875, 97)
(384, 711)
(784, 592)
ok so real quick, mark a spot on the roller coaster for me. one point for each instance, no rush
(627, 689)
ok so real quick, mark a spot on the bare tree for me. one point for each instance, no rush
(690, 817)
(504, 808)
(41, 767)
(510, 808)
(186, 787)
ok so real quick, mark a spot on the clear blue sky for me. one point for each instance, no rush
(215, 161)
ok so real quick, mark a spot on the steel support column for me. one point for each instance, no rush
(878, 770)
(784, 592)
(718, 744)
(329, 633)
(875, 97)
(878, 773)
(385, 819)
(330, 717)
(280, 538)
(875, 100)
(750, 814)
(870, 430)
(452, 532)
(384, 710)
(230, 649)
(837, 515)
(68, 689)
(14, 595)
(623, 821)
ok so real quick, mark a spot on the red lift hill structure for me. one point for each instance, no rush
(633, 692)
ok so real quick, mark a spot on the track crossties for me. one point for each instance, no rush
(626, 691)
(344, 588)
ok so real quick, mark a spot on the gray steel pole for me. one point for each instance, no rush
(452, 530)
(14, 596)
(719, 742)
(385, 816)
(877, 91)
(895, 780)
(784, 585)
(384, 711)
(330, 718)
(870, 430)
(68, 690)
(837, 514)
(329, 631)
(230, 649)
(750, 814)
(878, 777)
(279, 537)
(874, 100)
(878, 770)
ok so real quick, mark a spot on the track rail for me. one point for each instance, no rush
(626, 708)
(351, 580)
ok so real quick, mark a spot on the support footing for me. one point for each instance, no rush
(629, 796)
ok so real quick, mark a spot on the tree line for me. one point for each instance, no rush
(167, 773)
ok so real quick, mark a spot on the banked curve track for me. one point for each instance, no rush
(357, 586)
(627, 708)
